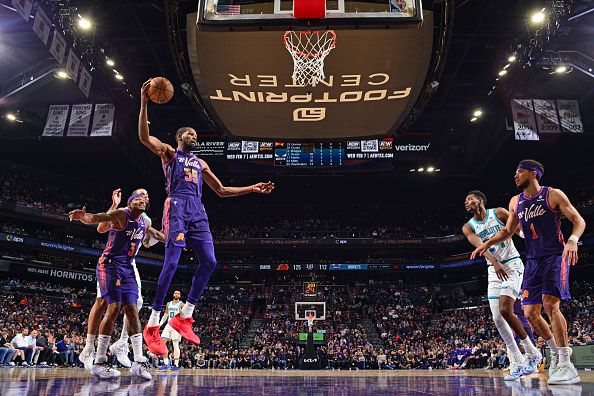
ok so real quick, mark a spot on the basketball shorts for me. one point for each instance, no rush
(139, 301)
(117, 282)
(511, 286)
(185, 221)
(545, 275)
(171, 334)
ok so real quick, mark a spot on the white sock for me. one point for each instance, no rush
(529, 346)
(564, 355)
(166, 361)
(136, 341)
(124, 336)
(187, 310)
(176, 362)
(552, 344)
(506, 333)
(90, 341)
(510, 356)
(154, 319)
(102, 345)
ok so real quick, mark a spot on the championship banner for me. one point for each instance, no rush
(58, 47)
(23, 7)
(524, 122)
(569, 114)
(42, 25)
(103, 119)
(72, 65)
(56, 120)
(85, 81)
(80, 118)
(546, 116)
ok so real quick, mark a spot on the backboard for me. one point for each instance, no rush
(302, 308)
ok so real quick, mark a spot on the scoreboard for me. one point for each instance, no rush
(309, 154)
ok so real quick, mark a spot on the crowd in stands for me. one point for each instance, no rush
(376, 325)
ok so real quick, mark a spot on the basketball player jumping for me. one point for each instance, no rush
(505, 270)
(117, 280)
(169, 334)
(120, 347)
(185, 222)
(537, 209)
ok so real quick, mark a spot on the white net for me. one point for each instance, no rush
(309, 49)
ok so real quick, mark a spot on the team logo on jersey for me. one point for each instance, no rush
(180, 236)
(118, 282)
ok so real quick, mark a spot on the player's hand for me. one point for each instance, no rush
(77, 214)
(479, 251)
(570, 253)
(116, 197)
(263, 188)
(144, 92)
(500, 271)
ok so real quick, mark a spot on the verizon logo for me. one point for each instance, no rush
(412, 147)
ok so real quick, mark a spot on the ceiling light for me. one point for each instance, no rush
(84, 23)
(412, 170)
(502, 73)
(11, 117)
(473, 119)
(437, 170)
(430, 169)
(511, 59)
(119, 77)
(506, 66)
(538, 17)
(477, 113)
(421, 170)
(61, 74)
(109, 62)
(561, 69)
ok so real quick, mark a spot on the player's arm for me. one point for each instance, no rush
(224, 192)
(502, 214)
(558, 199)
(163, 150)
(476, 241)
(165, 316)
(505, 233)
(117, 216)
(116, 198)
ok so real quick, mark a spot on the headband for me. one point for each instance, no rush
(530, 168)
(133, 197)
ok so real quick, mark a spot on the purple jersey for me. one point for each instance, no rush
(183, 175)
(123, 244)
(541, 225)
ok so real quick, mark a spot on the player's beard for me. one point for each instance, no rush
(524, 185)
(189, 146)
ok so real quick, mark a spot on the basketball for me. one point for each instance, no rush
(160, 90)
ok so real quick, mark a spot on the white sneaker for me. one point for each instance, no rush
(140, 369)
(534, 361)
(87, 356)
(120, 350)
(105, 371)
(566, 374)
(554, 363)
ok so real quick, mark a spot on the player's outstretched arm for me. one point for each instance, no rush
(224, 192)
(476, 241)
(505, 233)
(116, 198)
(163, 150)
(117, 216)
(558, 199)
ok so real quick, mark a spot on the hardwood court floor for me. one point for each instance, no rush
(77, 382)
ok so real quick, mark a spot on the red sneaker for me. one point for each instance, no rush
(184, 327)
(152, 337)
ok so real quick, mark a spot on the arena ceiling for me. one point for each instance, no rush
(135, 35)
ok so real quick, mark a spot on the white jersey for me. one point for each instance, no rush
(173, 309)
(504, 251)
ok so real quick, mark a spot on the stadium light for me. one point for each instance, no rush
(506, 66)
(430, 169)
(539, 17)
(109, 62)
(437, 170)
(119, 77)
(84, 23)
(477, 113)
(511, 59)
(413, 170)
(502, 73)
(11, 117)
(61, 74)
(421, 170)
(561, 69)
(473, 119)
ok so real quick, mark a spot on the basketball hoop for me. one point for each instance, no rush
(310, 319)
(308, 50)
